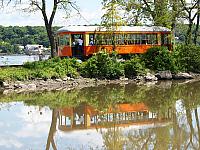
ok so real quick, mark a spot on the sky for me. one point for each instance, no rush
(90, 11)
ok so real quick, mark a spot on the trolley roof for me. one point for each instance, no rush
(120, 28)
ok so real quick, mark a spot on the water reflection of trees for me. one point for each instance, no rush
(143, 138)
(52, 130)
(182, 133)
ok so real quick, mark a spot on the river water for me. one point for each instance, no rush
(19, 59)
(114, 117)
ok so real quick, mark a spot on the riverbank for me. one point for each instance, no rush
(101, 68)
(69, 83)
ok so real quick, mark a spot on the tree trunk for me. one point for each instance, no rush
(175, 14)
(197, 28)
(173, 26)
(48, 24)
(51, 39)
(189, 33)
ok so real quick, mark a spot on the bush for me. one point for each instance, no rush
(187, 57)
(54, 68)
(159, 59)
(134, 67)
(9, 74)
(102, 66)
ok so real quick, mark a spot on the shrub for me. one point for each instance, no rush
(102, 65)
(159, 59)
(134, 67)
(187, 57)
(54, 68)
(11, 73)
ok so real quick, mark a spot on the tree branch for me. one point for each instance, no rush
(36, 4)
(184, 6)
(55, 5)
(149, 8)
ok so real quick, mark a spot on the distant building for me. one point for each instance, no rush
(33, 49)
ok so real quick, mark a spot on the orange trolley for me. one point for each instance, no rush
(83, 41)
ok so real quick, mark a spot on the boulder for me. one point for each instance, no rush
(123, 79)
(31, 86)
(42, 83)
(183, 75)
(139, 78)
(5, 92)
(20, 85)
(72, 79)
(58, 80)
(5, 85)
(150, 77)
(66, 79)
(162, 75)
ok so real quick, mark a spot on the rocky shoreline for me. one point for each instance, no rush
(68, 83)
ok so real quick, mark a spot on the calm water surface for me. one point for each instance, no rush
(19, 59)
(114, 117)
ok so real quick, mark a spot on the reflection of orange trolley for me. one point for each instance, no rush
(83, 41)
(126, 114)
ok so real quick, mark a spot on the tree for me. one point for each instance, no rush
(198, 20)
(163, 12)
(191, 11)
(157, 12)
(6, 48)
(133, 12)
(176, 12)
(41, 5)
(112, 19)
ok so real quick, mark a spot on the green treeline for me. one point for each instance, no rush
(107, 66)
(13, 36)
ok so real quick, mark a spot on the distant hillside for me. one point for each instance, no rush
(12, 36)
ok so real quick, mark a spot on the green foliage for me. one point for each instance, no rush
(159, 59)
(103, 96)
(15, 35)
(8, 74)
(102, 65)
(52, 68)
(6, 47)
(111, 19)
(187, 57)
(105, 66)
(134, 67)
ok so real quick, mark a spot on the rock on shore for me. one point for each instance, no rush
(69, 83)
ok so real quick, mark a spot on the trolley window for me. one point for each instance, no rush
(64, 40)
(165, 39)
